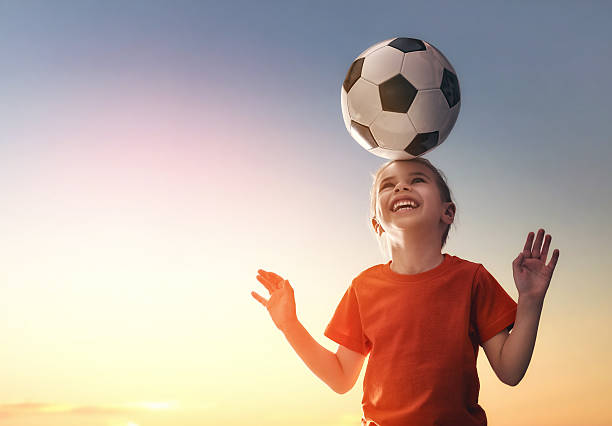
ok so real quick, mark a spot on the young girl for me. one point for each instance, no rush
(421, 316)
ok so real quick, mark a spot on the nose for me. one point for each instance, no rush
(402, 185)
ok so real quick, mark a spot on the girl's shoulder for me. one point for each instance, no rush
(452, 262)
(465, 262)
(466, 265)
(453, 266)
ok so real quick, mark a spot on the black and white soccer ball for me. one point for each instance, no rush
(400, 98)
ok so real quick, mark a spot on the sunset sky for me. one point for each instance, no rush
(155, 154)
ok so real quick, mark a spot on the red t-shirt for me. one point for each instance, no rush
(422, 333)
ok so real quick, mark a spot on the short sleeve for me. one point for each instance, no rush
(492, 308)
(345, 326)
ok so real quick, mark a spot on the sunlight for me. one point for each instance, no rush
(56, 408)
(155, 405)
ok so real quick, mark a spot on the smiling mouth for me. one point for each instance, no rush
(405, 204)
(404, 209)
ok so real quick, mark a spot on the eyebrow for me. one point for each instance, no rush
(411, 174)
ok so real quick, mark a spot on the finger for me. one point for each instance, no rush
(553, 260)
(269, 286)
(528, 243)
(275, 278)
(520, 257)
(537, 246)
(259, 299)
(272, 277)
(544, 253)
(518, 262)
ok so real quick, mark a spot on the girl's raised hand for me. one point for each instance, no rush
(281, 304)
(531, 273)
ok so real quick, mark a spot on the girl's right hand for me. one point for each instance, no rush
(281, 304)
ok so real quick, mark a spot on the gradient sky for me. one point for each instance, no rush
(155, 154)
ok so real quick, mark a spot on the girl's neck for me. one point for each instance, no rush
(415, 259)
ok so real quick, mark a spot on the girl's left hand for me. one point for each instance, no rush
(531, 274)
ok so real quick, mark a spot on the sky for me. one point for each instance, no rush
(155, 154)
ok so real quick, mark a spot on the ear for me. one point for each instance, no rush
(377, 228)
(449, 213)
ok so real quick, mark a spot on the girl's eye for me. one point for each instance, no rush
(389, 184)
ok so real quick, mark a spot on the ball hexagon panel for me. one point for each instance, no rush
(382, 64)
(393, 130)
(440, 56)
(344, 108)
(452, 114)
(422, 69)
(429, 111)
(363, 102)
(390, 154)
(373, 48)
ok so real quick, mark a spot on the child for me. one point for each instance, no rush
(421, 316)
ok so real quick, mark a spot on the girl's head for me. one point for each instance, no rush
(418, 180)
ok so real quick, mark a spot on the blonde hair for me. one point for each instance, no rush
(443, 189)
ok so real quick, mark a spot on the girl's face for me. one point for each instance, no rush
(414, 182)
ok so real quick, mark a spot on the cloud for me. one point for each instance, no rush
(36, 408)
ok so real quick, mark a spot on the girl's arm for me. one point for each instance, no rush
(340, 370)
(281, 306)
(518, 347)
(532, 277)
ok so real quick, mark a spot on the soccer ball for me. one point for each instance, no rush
(400, 98)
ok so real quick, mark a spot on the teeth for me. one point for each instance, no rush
(402, 203)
